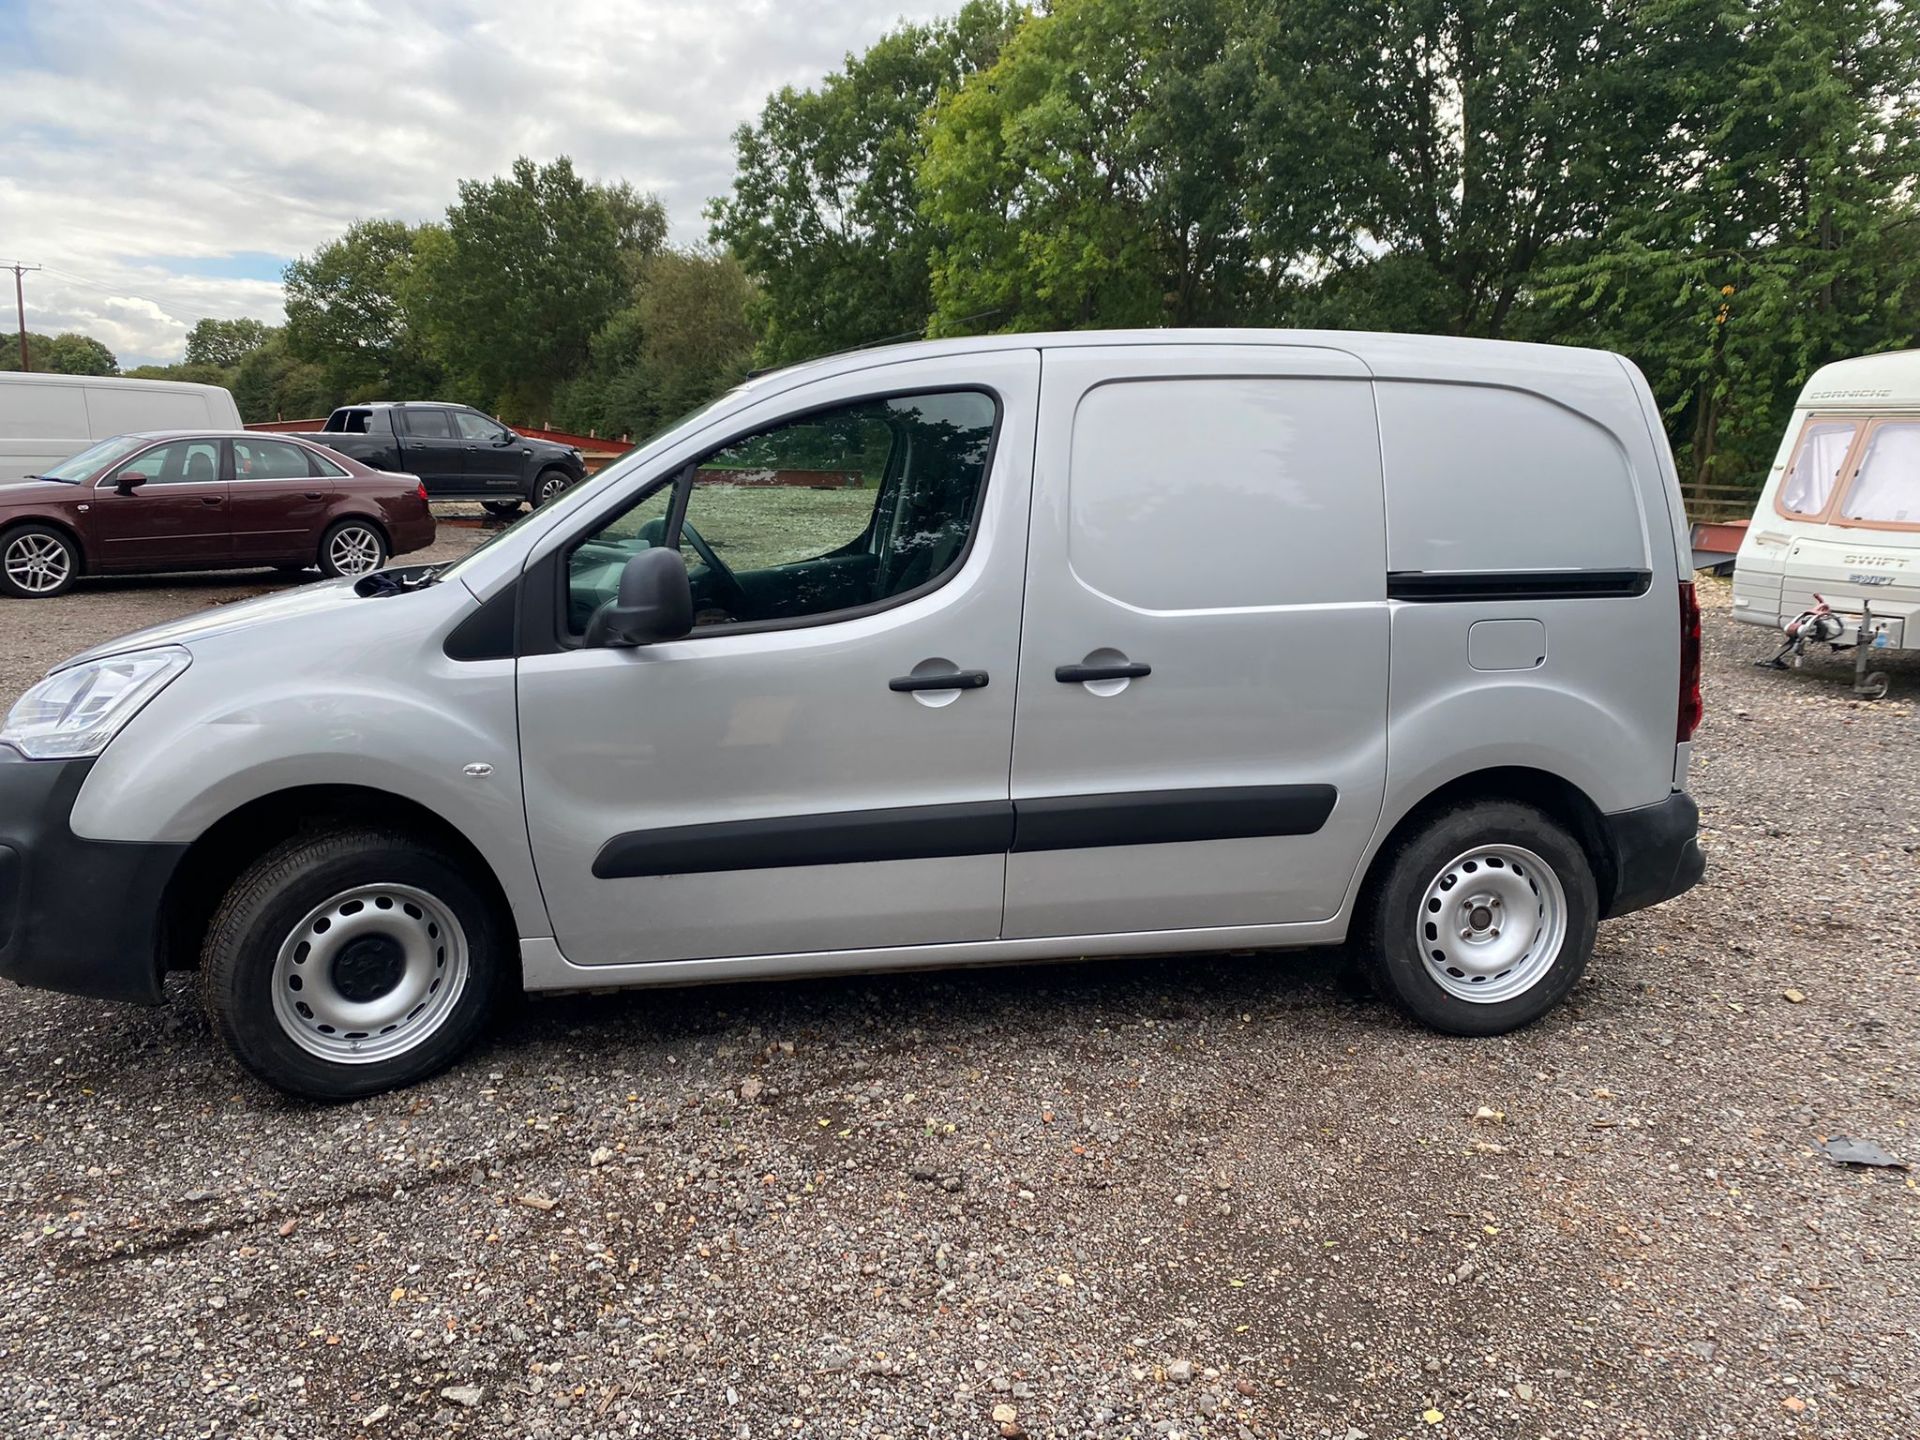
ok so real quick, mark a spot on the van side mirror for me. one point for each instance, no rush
(654, 601)
(127, 481)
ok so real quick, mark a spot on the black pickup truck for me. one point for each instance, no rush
(460, 453)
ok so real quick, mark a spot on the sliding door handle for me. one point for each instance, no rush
(951, 680)
(1081, 674)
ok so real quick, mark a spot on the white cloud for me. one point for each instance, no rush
(148, 139)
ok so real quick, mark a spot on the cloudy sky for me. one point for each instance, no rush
(163, 159)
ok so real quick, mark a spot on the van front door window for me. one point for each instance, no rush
(830, 512)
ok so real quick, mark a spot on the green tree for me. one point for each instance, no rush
(192, 374)
(1469, 138)
(1101, 173)
(66, 354)
(684, 339)
(270, 383)
(531, 267)
(825, 212)
(224, 342)
(1784, 233)
(349, 311)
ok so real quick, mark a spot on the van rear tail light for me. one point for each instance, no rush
(1692, 707)
(421, 489)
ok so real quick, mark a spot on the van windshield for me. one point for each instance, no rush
(94, 457)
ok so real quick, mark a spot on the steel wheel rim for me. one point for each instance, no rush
(38, 563)
(1492, 923)
(354, 550)
(330, 977)
(550, 489)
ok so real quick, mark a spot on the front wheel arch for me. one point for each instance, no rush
(227, 847)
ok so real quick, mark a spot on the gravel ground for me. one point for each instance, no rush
(1206, 1195)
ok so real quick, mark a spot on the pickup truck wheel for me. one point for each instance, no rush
(37, 562)
(352, 547)
(550, 485)
(501, 508)
(1484, 920)
(352, 961)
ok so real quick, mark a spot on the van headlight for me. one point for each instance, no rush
(73, 713)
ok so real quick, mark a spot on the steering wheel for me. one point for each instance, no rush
(731, 593)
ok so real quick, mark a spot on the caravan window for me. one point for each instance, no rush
(1807, 487)
(1886, 487)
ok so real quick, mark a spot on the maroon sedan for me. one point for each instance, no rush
(180, 500)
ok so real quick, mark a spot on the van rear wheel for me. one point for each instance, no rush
(1484, 919)
(352, 961)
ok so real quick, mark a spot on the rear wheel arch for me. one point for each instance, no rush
(225, 849)
(1553, 795)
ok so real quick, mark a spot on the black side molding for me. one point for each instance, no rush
(988, 827)
(1440, 586)
(1235, 812)
(911, 832)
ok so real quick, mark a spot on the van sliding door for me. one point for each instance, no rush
(1200, 730)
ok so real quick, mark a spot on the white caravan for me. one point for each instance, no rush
(44, 419)
(1839, 519)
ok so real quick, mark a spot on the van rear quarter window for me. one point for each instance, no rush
(1483, 478)
(1227, 493)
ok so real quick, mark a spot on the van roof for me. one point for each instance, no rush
(122, 382)
(1384, 354)
(1889, 380)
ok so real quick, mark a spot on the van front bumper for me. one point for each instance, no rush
(79, 916)
(1656, 853)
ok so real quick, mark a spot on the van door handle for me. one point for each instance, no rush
(952, 680)
(1081, 674)
(212, 499)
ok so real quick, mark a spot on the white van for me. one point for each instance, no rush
(44, 419)
(1014, 648)
(1840, 515)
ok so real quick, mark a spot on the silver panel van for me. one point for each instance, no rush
(1013, 648)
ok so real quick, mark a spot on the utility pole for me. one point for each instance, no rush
(20, 310)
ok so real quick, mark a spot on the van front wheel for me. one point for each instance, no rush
(1484, 920)
(352, 961)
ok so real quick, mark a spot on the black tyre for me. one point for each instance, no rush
(501, 509)
(37, 562)
(1483, 920)
(550, 485)
(353, 961)
(351, 548)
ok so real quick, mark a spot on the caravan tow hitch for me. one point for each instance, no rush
(1821, 626)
